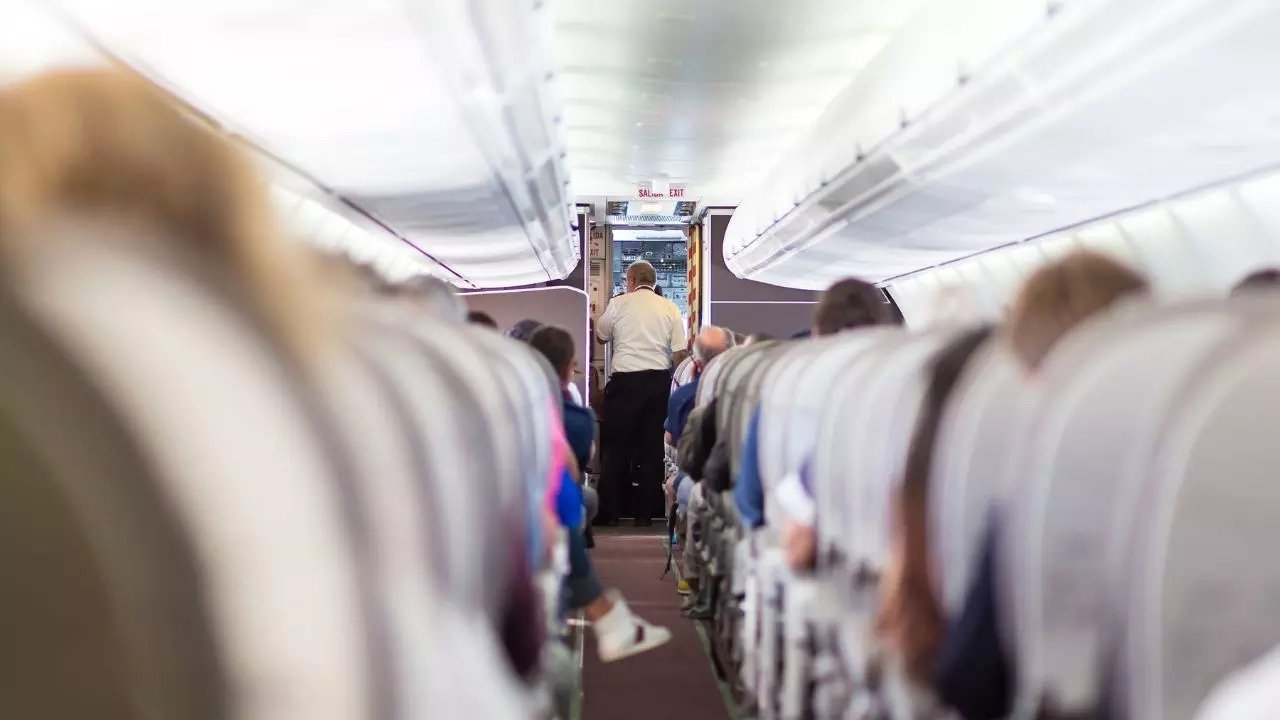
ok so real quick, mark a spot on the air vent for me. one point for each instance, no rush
(647, 212)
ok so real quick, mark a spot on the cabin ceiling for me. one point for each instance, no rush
(700, 93)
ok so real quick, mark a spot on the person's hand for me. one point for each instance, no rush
(799, 544)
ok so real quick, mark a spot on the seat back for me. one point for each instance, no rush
(1107, 389)
(969, 460)
(104, 594)
(795, 394)
(867, 433)
(1201, 598)
(243, 458)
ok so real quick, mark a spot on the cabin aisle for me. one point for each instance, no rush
(673, 682)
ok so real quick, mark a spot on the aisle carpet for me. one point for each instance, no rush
(674, 682)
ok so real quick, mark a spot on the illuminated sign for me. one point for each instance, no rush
(656, 191)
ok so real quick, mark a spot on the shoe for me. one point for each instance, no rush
(620, 634)
(683, 588)
(699, 612)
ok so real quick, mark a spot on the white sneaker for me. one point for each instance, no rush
(619, 634)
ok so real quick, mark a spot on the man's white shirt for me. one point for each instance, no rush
(645, 329)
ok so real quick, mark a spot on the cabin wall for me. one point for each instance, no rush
(1197, 244)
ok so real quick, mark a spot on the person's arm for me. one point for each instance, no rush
(679, 343)
(799, 536)
(604, 326)
(799, 544)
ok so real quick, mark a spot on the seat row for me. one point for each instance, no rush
(1130, 477)
(239, 483)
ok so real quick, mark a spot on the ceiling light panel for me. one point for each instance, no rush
(1121, 104)
(403, 107)
(682, 88)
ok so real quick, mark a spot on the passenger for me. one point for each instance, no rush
(619, 633)
(482, 318)
(648, 339)
(1265, 278)
(523, 330)
(971, 672)
(847, 305)
(710, 342)
(754, 338)
(911, 621)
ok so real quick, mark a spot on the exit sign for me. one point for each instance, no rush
(655, 192)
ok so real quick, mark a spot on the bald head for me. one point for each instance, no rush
(641, 273)
(711, 341)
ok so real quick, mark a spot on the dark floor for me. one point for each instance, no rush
(674, 682)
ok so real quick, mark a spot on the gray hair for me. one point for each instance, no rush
(710, 342)
(642, 273)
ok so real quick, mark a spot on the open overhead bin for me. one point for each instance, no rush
(994, 121)
(432, 118)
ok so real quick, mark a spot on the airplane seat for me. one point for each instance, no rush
(683, 374)
(103, 584)
(438, 659)
(863, 446)
(793, 392)
(1250, 693)
(1106, 390)
(236, 437)
(450, 503)
(969, 464)
(467, 428)
(1201, 597)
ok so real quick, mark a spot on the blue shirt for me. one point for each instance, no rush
(580, 431)
(679, 406)
(748, 491)
(569, 501)
(971, 672)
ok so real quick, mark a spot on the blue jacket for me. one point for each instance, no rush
(748, 490)
(679, 406)
(580, 431)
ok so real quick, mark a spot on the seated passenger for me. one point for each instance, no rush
(619, 633)
(480, 317)
(911, 621)
(709, 343)
(523, 330)
(847, 305)
(1262, 279)
(971, 672)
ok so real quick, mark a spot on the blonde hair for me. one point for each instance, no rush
(105, 141)
(1061, 295)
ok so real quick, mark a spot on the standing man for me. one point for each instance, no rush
(648, 339)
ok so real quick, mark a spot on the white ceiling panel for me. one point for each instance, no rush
(414, 111)
(1106, 106)
(708, 94)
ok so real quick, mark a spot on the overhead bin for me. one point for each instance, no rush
(991, 123)
(434, 119)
